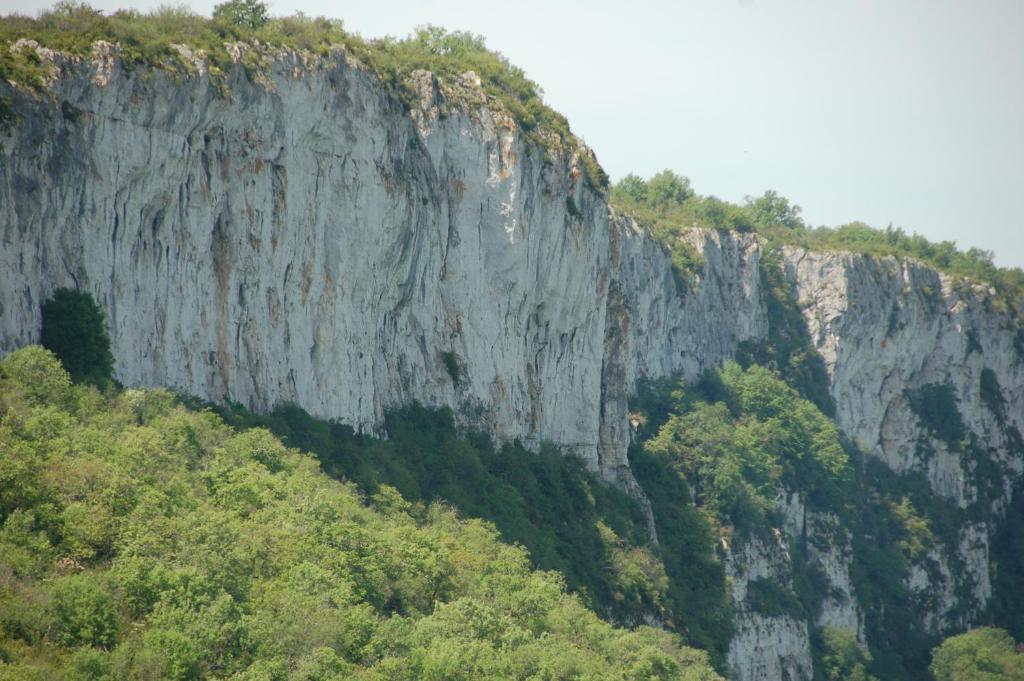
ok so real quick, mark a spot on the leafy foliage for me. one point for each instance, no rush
(895, 526)
(550, 504)
(734, 440)
(984, 654)
(767, 597)
(75, 330)
(774, 210)
(250, 14)
(547, 501)
(657, 203)
(740, 436)
(788, 348)
(745, 437)
(700, 605)
(452, 366)
(143, 540)
(838, 656)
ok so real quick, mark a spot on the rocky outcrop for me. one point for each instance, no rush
(766, 645)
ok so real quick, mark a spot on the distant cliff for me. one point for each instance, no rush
(306, 236)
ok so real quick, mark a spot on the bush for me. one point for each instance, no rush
(452, 366)
(75, 331)
(772, 209)
(838, 656)
(737, 450)
(40, 371)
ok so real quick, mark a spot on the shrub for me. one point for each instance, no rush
(40, 372)
(452, 366)
(838, 656)
(985, 654)
(772, 209)
(234, 557)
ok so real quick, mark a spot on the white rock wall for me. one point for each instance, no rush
(307, 240)
(882, 326)
(765, 648)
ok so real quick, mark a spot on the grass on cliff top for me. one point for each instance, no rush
(147, 39)
(669, 206)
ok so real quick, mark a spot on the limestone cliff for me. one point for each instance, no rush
(308, 240)
(306, 236)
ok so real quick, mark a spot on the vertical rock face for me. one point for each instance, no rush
(766, 646)
(890, 332)
(310, 238)
(884, 327)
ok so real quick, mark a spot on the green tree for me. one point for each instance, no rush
(85, 611)
(155, 542)
(668, 189)
(750, 434)
(632, 187)
(75, 330)
(772, 209)
(251, 14)
(839, 657)
(985, 654)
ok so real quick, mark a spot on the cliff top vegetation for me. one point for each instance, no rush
(149, 39)
(668, 205)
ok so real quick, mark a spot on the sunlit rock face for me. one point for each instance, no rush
(308, 239)
(887, 329)
(307, 236)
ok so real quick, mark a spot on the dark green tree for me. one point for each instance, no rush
(74, 329)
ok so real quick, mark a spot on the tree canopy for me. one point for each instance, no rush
(139, 540)
(985, 654)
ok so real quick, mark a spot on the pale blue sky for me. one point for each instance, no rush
(902, 111)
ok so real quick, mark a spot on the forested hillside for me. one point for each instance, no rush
(141, 540)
